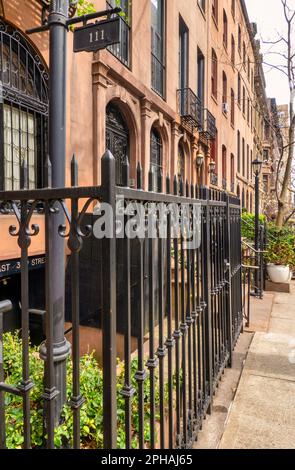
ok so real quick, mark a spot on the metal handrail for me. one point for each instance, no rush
(252, 248)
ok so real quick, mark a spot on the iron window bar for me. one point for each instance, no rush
(190, 107)
(209, 125)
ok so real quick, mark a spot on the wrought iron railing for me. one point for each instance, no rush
(122, 49)
(188, 300)
(209, 125)
(190, 107)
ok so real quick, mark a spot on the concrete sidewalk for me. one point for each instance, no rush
(262, 415)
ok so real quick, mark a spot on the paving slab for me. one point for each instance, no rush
(262, 415)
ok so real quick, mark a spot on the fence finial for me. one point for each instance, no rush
(139, 175)
(48, 172)
(74, 171)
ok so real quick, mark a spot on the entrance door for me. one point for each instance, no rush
(117, 140)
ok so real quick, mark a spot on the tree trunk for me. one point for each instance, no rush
(283, 200)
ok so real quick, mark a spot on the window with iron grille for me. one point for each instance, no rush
(239, 150)
(156, 158)
(239, 39)
(122, 49)
(239, 89)
(158, 46)
(23, 111)
(180, 165)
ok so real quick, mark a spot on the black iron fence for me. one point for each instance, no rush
(190, 298)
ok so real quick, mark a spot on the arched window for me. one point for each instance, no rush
(247, 201)
(117, 140)
(23, 111)
(232, 173)
(251, 202)
(243, 199)
(156, 158)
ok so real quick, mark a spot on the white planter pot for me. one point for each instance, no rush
(279, 273)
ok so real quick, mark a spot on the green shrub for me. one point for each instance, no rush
(91, 411)
(248, 225)
(281, 245)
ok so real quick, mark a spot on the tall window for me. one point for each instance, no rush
(233, 50)
(224, 89)
(214, 158)
(183, 54)
(248, 110)
(239, 89)
(239, 39)
(225, 29)
(202, 4)
(122, 49)
(233, 8)
(248, 69)
(224, 182)
(232, 107)
(24, 113)
(201, 76)
(243, 156)
(156, 158)
(239, 151)
(248, 162)
(244, 55)
(244, 100)
(214, 74)
(215, 10)
(232, 172)
(158, 46)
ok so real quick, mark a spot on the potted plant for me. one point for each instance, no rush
(280, 256)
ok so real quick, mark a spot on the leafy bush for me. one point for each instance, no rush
(91, 411)
(281, 245)
(248, 225)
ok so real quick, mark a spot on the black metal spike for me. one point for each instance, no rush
(175, 185)
(160, 181)
(150, 180)
(74, 171)
(139, 175)
(47, 173)
(24, 175)
(168, 189)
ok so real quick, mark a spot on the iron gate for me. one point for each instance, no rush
(179, 362)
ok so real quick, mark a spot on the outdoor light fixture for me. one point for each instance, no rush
(200, 160)
(212, 166)
(257, 165)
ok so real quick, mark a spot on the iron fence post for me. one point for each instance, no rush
(229, 319)
(207, 298)
(108, 177)
(58, 16)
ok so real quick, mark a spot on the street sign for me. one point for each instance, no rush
(97, 36)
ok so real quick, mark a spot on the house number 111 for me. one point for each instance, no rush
(97, 36)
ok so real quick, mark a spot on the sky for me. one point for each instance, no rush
(268, 14)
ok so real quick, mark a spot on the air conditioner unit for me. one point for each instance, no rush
(225, 108)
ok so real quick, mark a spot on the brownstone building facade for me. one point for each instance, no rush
(183, 93)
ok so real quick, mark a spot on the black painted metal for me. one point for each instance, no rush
(190, 340)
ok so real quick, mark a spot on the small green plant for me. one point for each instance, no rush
(91, 412)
